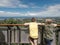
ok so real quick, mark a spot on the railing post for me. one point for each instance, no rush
(59, 39)
(42, 35)
(58, 36)
(9, 35)
(19, 35)
(14, 34)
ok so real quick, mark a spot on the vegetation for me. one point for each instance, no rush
(21, 21)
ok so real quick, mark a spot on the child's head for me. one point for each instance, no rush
(33, 19)
(48, 21)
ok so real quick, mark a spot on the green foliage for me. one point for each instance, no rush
(21, 21)
(13, 21)
(10, 21)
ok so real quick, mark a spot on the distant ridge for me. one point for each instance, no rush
(12, 17)
(27, 17)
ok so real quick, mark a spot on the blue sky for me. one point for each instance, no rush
(42, 8)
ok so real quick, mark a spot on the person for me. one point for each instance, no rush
(33, 31)
(49, 31)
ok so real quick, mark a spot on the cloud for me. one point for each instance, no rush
(23, 6)
(9, 3)
(50, 11)
(12, 4)
(16, 4)
(10, 14)
(15, 14)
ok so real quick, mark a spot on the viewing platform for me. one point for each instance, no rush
(14, 33)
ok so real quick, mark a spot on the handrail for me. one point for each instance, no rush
(18, 25)
(11, 24)
(58, 25)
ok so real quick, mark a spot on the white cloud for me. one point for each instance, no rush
(12, 4)
(16, 3)
(10, 14)
(23, 6)
(49, 11)
(9, 3)
(31, 13)
(52, 11)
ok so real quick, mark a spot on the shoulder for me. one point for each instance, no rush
(54, 24)
(26, 23)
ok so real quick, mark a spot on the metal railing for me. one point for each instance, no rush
(13, 33)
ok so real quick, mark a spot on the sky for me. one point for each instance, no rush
(39, 8)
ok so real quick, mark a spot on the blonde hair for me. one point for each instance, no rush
(48, 20)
